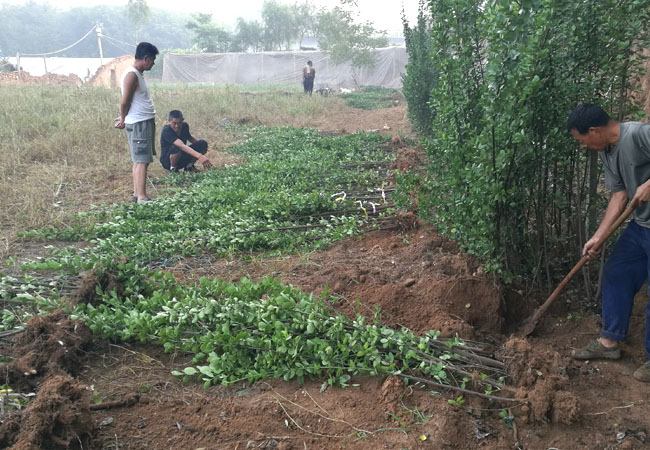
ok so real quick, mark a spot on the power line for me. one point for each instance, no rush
(117, 40)
(63, 49)
(119, 47)
(97, 29)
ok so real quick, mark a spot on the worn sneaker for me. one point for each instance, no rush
(173, 170)
(595, 350)
(191, 169)
(643, 373)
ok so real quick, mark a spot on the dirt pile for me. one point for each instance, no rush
(417, 278)
(45, 356)
(407, 158)
(49, 78)
(50, 345)
(540, 375)
(58, 419)
(391, 393)
(86, 291)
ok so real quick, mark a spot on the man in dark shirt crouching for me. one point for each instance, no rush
(175, 153)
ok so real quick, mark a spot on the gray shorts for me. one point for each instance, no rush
(142, 137)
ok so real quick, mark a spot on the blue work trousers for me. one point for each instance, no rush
(626, 269)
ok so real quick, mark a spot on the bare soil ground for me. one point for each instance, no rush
(420, 280)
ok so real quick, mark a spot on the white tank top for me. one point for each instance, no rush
(141, 104)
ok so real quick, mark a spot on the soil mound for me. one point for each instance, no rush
(548, 403)
(407, 158)
(48, 78)
(423, 285)
(59, 418)
(528, 364)
(537, 371)
(391, 393)
(417, 278)
(51, 344)
(449, 427)
(87, 290)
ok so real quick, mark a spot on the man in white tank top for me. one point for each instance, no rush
(137, 116)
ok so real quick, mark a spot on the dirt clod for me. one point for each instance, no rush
(527, 364)
(391, 391)
(87, 290)
(50, 344)
(59, 418)
(548, 403)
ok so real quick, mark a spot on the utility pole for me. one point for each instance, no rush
(98, 30)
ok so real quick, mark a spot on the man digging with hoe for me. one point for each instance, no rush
(624, 150)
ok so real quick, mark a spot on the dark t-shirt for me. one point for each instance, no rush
(167, 139)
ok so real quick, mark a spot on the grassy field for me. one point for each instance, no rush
(61, 154)
(373, 97)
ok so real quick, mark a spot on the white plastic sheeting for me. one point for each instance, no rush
(283, 68)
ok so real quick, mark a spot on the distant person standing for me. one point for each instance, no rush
(137, 115)
(175, 154)
(308, 75)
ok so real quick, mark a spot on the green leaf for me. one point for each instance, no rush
(190, 371)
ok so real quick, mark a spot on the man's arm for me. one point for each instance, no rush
(642, 194)
(615, 207)
(191, 138)
(190, 151)
(130, 85)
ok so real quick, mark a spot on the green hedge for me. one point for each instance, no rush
(505, 179)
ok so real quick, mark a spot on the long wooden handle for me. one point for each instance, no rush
(532, 322)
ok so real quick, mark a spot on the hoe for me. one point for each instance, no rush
(529, 324)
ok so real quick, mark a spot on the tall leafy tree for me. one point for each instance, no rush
(506, 180)
(24, 28)
(280, 25)
(305, 19)
(249, 35)
(208, 36)
(346, 39)
(421, 75)
(139, 14)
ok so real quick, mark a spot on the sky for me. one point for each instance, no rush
(385, 14)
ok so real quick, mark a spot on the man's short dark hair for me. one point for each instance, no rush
(145, 49)
(175, 114)
(586, 116)
(309, 62)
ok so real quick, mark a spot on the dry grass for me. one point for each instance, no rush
(60, 153)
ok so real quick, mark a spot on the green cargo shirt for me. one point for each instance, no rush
(627, 165)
